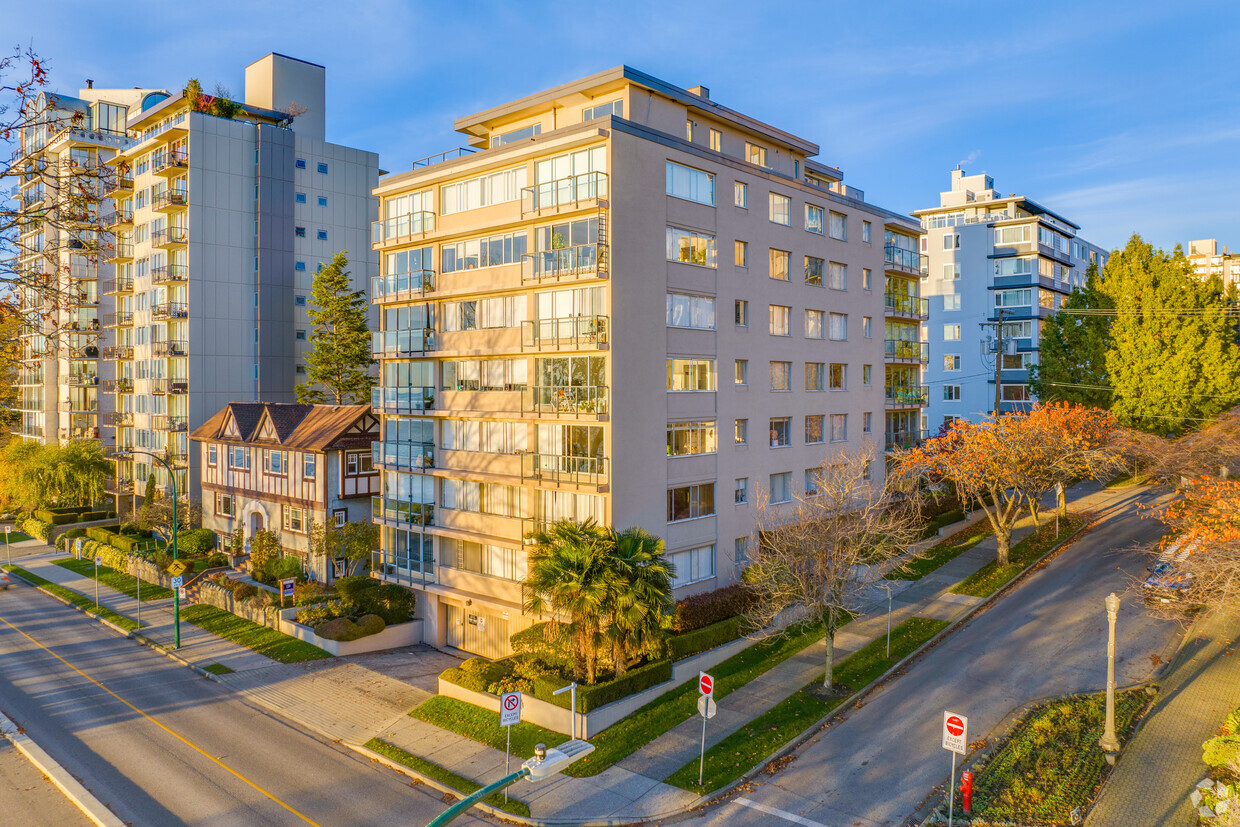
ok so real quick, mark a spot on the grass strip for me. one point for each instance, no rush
(483, 725)
(217, 669)
(125, 583)
(275, 645)
(1127, 481)
(18, 536)
(446, 776)
(942, 552)
(77, 599)
(746, 747)
(1050, 764)
(991, 577)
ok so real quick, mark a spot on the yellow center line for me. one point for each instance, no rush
(179, 737)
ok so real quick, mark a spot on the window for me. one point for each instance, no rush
(690, 374)
(741, 557)
(358, 463)
(779, 320)
(813, 219)
(839, 377)
(275, 462)
(239, 457)
(689, 131)
(865, 231)
(781, 376)
(811, 482)
(1016, 393)
(690, 502)
(741, 492)
(716, 140)
(867, 279)
(740, 195)
(690, 247)
(697, 312)
(813, 271)
(867, 423)
(322, 235)
(781, 207)
(300, 335)
(740, 252)
(837, 278)
(951, 302)
(742, 313)
(299, 301)
(212, 459)
(300, 163)
(1018, 330)
(951, 272)
(300, 232)
(951, 393)
(951, 361)
(867, 324)
(224, 506)
(690, 184)
(951, 241)
(781, 487)
(322, 168)
(755, 154)
(867, 375)
(815, 373)
(340, 516)
(839, 427)
(839, 226)
(489, 251)
(867, 471)
(1015, 298)
(525, 133)
(781, 431)
(779, 260)
(742, 372)
(1011, 235)
(322, 201)
(299, 197)
(693, 565)
(308, 465)
(500, 187)
(741, 432)
(814, 327)
(838, 329)
(951, 333)
(689, 438)
(813, 429)
(602, 110)
(294, 519)
(299, 266)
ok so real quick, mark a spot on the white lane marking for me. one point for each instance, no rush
(784, 814)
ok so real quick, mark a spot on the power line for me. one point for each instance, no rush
(1112, 389)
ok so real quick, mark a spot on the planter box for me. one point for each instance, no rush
(393, 637)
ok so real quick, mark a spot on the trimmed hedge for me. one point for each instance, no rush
(601, 694)
(55, 519)
(700, 640)
(38, 529)
(65, 516)
(702, 610)
(196, 542)
(128, 543)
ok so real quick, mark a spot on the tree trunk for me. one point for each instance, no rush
(1061, 496)
(829, 622)
(1033, 510)
(1004, 538)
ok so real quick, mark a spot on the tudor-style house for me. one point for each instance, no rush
(285, 467)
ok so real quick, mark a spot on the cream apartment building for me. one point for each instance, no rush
(1207, 259)
(217, 226)
(626, 302)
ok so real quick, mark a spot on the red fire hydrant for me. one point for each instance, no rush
(966, 791)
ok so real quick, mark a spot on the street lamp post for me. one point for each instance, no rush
(1108, 741)
(176, 594)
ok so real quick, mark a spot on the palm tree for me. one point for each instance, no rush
(640, 605)
(569, 576)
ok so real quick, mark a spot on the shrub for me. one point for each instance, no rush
(343, 629)
(217, 559)
(702, 610)
(37, 528)
(708, 637)
(53, 518)
(308, 592)
(196, 542)
(601, 694)
(393, 603)
(1221, 751)
(540, 644)
(481, 673)
(328, 611)
(349, 587)
(74, 533)
(278, 568)
(370, 625)
(241, 591)
(90, 516)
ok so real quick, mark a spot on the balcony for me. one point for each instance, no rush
(907, 396)
(117, 218)
(115, 451)
(170, 237)
(403, 399)
(169, 200)
(170, 163)
(557, 469)
(566, 333)
(117, 419)
(906, 307)
(440, 157)
(83, 351)
(119, 487)
(169, 310)
(30, 377)
(118, 284)
(169, 272)
(568, 400)
(82, 379)
(403, 226)
(119, 183)
(120, 251)
(118, 385)
(29, 430)
(121, 318)
(403, 456)
(904, 440)
(396, 344)
(899, 350)
(79, 405)
(568, 263)
(118, 352)
(564, 193)
(172, 424)
(388, 510)
(174, 386)
(176, 347)
(900, 260)
(402, 286)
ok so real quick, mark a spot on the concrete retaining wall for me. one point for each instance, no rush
(222, 598)
(392, 637)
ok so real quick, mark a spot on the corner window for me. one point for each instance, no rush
(690, 502)
(690, 247)
(693, 565)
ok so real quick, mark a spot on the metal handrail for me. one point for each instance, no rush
(901, 349)
(169, 272)
(566, 331)
(403, 399)
(564, 262)
(907, 260)
(440, 157)
(911, 305)
(585, 186)
(402, 226)
(564, 470)
(402, 285)
(400, 343)
(569, 399)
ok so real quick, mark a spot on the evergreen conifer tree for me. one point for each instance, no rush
(1073, 349)
(340, 358)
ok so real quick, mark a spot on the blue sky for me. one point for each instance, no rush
(1122, 116)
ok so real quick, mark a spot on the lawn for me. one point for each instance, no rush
(77, 599)
(446, 776)
(275, 645)
(217, 669)
(748, 746)
(943, 552)
(112, 578)
(991, 577)
(1051, 764)
(483, 725)
(19, 536)
(1127, 481)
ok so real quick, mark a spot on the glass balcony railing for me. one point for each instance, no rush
(564, 191)
(905, 439)
(901, 396)
(164, 386)
(559, 469)
(402, 226)
(568, 400)
(401, 343)
(907, 261)
(566, 263)
(170, 423)
(403, 399)
(397, 286)
(118, 352)
(403, 456)
(392, 510)
(566, 333)
(119, 182)
(170, 162)
(899, 349)
(899, 304)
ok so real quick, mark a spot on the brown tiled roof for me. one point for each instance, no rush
(300, 427)
(247, 415)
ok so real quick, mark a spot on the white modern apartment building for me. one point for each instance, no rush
(989, 253)
(218, 218)
(626, 302)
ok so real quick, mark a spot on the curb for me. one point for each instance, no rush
(73, 790)
(438, 785)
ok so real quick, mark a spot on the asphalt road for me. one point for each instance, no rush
(170, 747)
(1048, 637)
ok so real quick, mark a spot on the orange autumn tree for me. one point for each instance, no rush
(1067, 443)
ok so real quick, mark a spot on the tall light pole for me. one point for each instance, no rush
(1108, 741)
(176, 594)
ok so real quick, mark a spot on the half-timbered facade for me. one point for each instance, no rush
(285, 467)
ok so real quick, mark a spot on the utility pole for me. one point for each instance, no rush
(998, 358)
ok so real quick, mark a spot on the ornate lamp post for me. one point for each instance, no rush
(1108, 741)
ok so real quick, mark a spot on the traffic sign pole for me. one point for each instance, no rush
(509, 714)
(706, 684)
(96, 584)
(955, 740)
(507, 757)
(951, 792)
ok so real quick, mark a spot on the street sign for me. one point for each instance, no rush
(98, 560)
(178, 582)
(510, 709)
(286, 587)
(955, 732)
(181, 593)
(706, 706)
(706, 684)
(177, 567)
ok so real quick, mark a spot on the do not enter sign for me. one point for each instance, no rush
(706, 684)
(955, 732)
